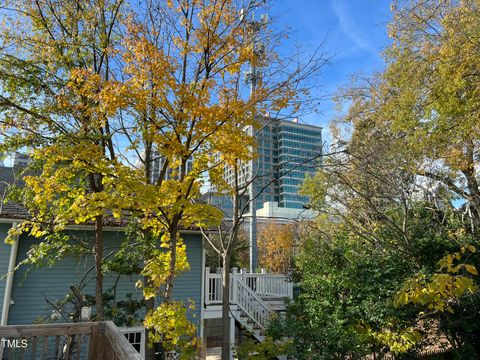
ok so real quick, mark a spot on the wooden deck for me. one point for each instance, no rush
(72, 341)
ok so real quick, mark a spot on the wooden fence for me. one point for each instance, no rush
(73, 341)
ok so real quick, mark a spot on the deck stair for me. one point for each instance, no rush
(254, 298)
(253, 313)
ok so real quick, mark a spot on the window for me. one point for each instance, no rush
(136, 337)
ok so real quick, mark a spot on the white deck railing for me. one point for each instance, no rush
(251, 304)
(213, 288)
(269, 285)
(266, 286)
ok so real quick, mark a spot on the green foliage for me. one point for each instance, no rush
(124, 312)
(440, 290)
(393, 266)
(173, 329)
(347, 304)
(268, 349)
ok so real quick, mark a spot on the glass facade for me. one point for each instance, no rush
(157, 165)
(287, 152)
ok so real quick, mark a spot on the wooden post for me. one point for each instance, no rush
(232, 335)
(244, 272)
(233, 286)
(290, 289)
(97, 341)
(207, 286)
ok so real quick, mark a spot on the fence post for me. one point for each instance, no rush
(207, 286)
(244, 272)
(290, 289)
(233, 285)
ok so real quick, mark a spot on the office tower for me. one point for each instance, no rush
(287, 152)
(157, 165)
(21, 160)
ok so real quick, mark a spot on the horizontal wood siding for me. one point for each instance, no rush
(4, 256)
(189, 284)
(31, 288)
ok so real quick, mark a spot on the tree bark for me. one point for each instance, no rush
(173, 261)
(149, 306)
(98, 268)
(227, 257)
(150, 303)
(470, 174)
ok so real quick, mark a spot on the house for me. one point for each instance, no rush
(27, 294)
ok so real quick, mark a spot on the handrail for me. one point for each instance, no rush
(251, 304)
(90, 340)
(118, 344)
(267, 286)
(83, 328)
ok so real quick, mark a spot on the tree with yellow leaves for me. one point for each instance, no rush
(276, 247)
(425, 102)
(44, 44)
(99, 94)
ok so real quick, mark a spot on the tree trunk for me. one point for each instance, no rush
(98, 268)
(150, 303)
(227, 257)
(226, 307)
(172, 265)
(149, 306)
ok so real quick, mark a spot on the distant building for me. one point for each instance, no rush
(223, 201)
(157, 164)
(270, 212)
(288, 151)
(21, 160)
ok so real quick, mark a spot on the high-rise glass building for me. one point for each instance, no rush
(157, 164)
(287, 152)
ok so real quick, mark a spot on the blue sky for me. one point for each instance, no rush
(354, 31)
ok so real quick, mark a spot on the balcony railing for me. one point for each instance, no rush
(266, 286)
(72, 341)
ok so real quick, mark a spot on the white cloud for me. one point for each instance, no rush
(349, 27)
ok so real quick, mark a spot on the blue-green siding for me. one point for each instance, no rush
(30, 290)
(4, 256)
